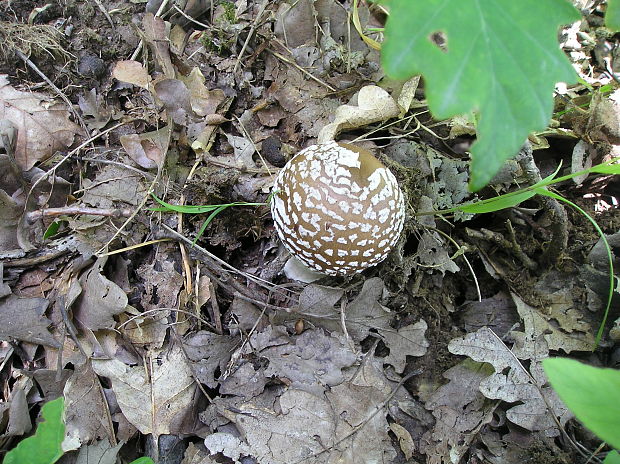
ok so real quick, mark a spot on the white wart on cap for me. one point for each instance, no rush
(337, 208)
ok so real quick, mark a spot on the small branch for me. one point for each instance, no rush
(34, 216)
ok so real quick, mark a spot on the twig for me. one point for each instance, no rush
(217, 316)
(223, 265)
(66, 157)
(259, 15)
(295, 65)
(105, 13)
(34, 216)
(559, 218)
(142, 314)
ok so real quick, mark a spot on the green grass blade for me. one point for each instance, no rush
(497, 203)
(208, 221)
(44, 446)
(610, 295)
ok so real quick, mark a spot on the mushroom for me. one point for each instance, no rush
(337, 208)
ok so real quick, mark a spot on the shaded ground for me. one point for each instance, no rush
(209, 353)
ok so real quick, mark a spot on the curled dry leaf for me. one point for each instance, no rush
(373, 104)
(148, 149)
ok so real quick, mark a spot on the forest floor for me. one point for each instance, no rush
(207, 352)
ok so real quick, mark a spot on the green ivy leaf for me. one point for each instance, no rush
(44, 446)
(591, 393)
(612, 15)
(501, 58)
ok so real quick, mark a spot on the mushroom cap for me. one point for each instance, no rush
(337, 208)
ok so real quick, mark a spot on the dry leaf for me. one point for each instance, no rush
(99, 300)
(147, 149)
(43, 127)
(156, 402)
(24, 319)
(373, 104)
(131, 72)
(87, 417)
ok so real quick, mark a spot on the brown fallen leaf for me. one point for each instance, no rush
(23, 319)
(43, 126)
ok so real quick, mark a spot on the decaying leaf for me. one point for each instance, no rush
(406, 341)
(99, 299)
(460, 410)
(24, 319)
(311, 361)
(560, 328)
(512, 383)
(209, 352)
(156, 402)
(132, 72)
(87, 418)
(148, 149)
(43, 127)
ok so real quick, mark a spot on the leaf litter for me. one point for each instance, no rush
(426, 358)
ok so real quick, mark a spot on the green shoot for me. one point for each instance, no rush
(199, 209)
(511, 199)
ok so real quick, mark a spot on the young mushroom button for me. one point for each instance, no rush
(337, 208)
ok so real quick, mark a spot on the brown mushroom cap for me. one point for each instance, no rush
(337, 208)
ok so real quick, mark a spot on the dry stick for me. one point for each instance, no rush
(182, 311)
(247, 136)
(189, 18)
(34, 67)
(105, 13)
(217, 315)
(134, 55)
(190, 365)
(146, 175)
(460, 249)
(259, 15)
(224, 265)
(295, 65)
(34, 216)
(29, 262)
(559, 223)
(101, 251)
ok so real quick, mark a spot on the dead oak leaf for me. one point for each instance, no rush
(43, 126)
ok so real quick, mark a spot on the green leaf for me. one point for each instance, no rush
(44, 446)
(142, 461)
(591, 393)
(612, 15)
(612, 458)
(52, 229)
(501, 58)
